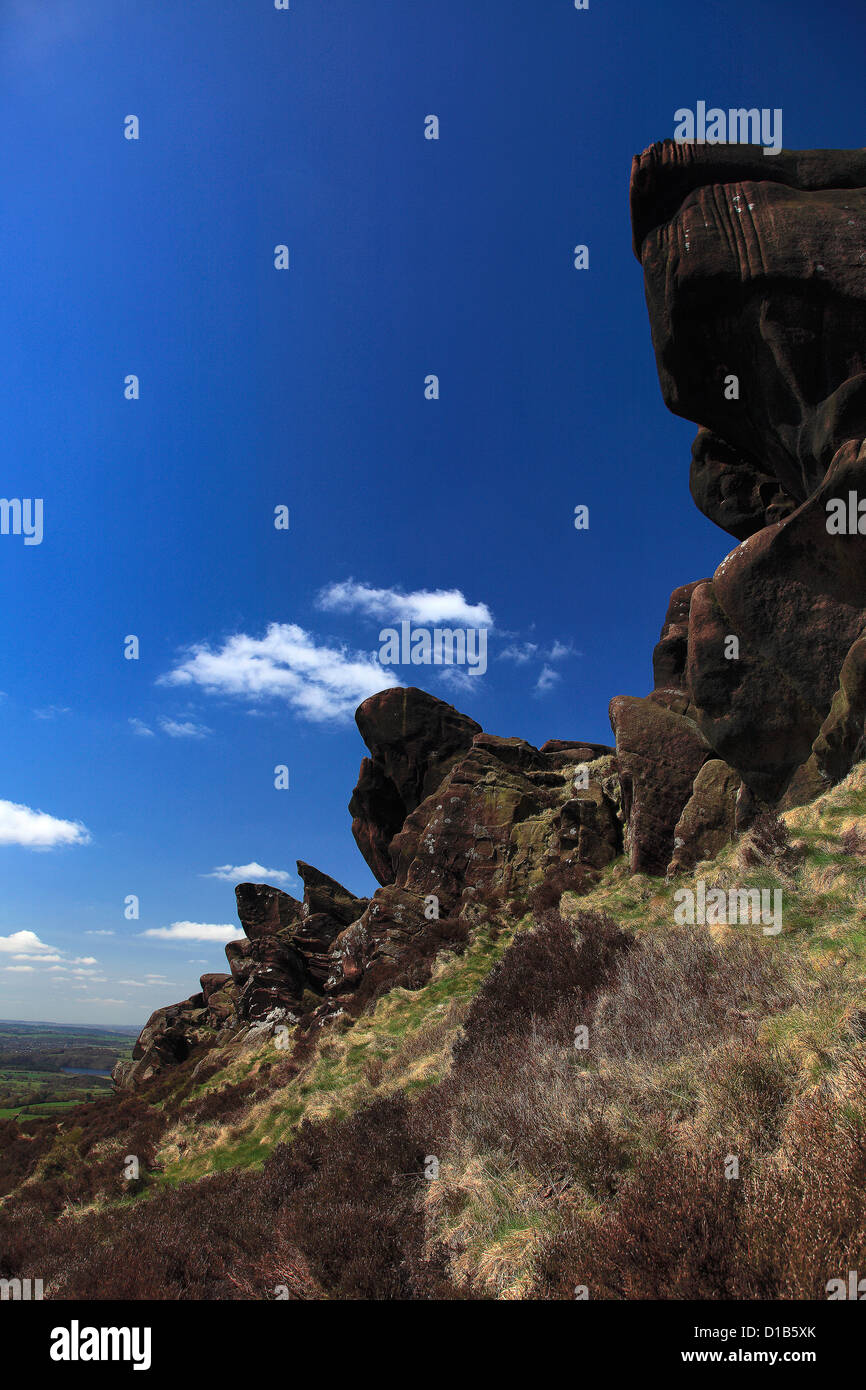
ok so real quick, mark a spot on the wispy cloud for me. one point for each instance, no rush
(423, 606)
(143, 730)
(185, 728)
(319, 682)
(519, 652)
(21, 825)
(249, 873)
(51, 711)
(194, 931)
(547, 680)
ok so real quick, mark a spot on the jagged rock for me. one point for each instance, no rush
(414, 739)
(220, 996)
(753, 267)
(393, 920)
(324, 896)
(708, 821)
(222, 1006)
(210, 984)
(589, 830)
(461, 836)
(671, 651)
(264, 911)
(659, 754)
(167, 1038)
(841, 741)
(503, 815)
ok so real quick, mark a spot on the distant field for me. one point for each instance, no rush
(47, 1067)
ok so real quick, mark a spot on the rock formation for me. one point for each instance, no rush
(755, 279)
(755, 275)
(451, 820)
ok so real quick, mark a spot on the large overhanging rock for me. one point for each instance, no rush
(756, 267)
(755, 274)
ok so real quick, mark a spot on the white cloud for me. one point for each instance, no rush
(184, 729)
(99, 933)
(26, 941)
(319, 682)
(459, 678)
(547, 680)
(423, 606)
(139, 727)
(20, 969)
(193, 931)
(519, 652)
(561, 649)
(20, 825)
(51, 711)
(249, 873)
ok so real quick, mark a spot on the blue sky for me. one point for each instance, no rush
(305, 388)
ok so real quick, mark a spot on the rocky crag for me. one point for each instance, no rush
(755, 275)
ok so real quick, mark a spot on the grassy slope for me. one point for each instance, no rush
(404, 1043)
(494, 1210)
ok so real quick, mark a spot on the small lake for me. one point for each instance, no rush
(83, 1071)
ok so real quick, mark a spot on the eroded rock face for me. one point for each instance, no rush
(501, 817)
(755, 269)
(709, 818)
(659, 754)
(413, 740)
(484, 820)
(288, 945)
(168, 1037)
(755, 266)
(282, 960)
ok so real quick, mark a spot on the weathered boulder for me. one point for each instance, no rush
(388, 929)
(671, 651)
(502, 816)
(264, 911)
(659, 753)
(414, 739)
(709, 818)
(287, 950)
(168, 1037)
(324, 896)
(753, 268)
(210, 984)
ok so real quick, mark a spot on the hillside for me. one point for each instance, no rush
(601, 1029)
(556, 1167)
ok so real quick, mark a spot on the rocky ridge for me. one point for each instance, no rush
(755, 282)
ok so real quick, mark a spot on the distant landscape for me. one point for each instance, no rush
(47, 1067)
